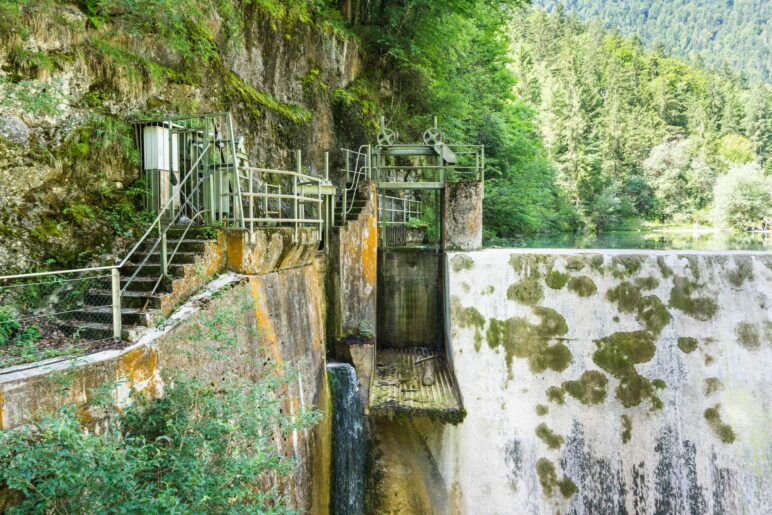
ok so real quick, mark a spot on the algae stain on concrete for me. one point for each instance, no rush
(556, 280)
(646, 283)
(649, 310)
(556, 394)
(528, 291)
(488, 290)
(723, 431)
(742, 272)
(580, 261)
(682, 297)
(590, 388)
(712, 385)
(542, 410)
(582, 286)
(548, 478)
(626, 264)
(523, 339)
(687, 344)
(627, 428)
(748, 335)
(461, 262)
(664, 269)
(468, 317)
(618, 354)
(549, 437)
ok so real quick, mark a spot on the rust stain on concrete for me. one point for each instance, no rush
(140, 367)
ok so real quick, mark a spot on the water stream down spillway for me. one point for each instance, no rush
(348, 441)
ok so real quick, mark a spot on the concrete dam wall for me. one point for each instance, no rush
(598, 382)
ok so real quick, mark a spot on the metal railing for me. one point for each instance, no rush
(357, 168)
(398, 210)
(469, 164)
(282, 198)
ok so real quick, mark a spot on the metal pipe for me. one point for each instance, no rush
(115, 284)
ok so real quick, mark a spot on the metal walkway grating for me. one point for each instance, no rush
(398, 388)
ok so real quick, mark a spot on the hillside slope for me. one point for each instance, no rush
(733, 33)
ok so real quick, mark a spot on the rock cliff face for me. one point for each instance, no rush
(70, 85)
(598, 382)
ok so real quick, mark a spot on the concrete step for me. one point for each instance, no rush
(129, 299)
(94, 330)
(152, 269)
(104, 314)
(187, 245)
(180, 257)
(141, 283)
(193, 233)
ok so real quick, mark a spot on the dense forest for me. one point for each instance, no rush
(584, 129)
(732, 34)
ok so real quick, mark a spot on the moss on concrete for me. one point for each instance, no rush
(687, 344)
(582, 286)
(659, 384)
(627, 428)
(712, 385)
(626, 296)
(468, 317)
(590, 388)
(556, 280)
(626, 264)
(618, 354)
(682, 297)
(488, 290)
(646, 283)
(649, 310)
(528, 291)
(553, 440)
(742, 272)
(694, 265)
(556, 394)
(548, 478)
(461, 262)
(709, 359)
(748, 335)
(579, 261)
(723, 431)
(523, 339)
(664, 269)
(653, 314)
(542, 409)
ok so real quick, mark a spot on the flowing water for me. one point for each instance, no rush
(348, 441)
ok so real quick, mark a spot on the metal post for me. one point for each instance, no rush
(326, 166)
(348, 166)
(163, 251)
(251, 203)
(116, 291)
(298, 167)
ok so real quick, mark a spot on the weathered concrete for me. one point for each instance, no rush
(598, 382)
(409, 298)
(254, 326)
(355, 263)
(462, 210)
(270, 249)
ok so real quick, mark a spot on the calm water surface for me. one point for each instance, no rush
(659, 240)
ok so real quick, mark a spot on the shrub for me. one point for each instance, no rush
(203, 447)
(743, 197)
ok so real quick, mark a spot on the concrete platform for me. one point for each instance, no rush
(398, 389)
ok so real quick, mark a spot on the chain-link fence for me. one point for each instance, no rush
(48, 315)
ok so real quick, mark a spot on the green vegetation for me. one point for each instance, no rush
(203, 447)
(527, 291)
(636, 134)
(722, 34)
(743, 197)
(723, 431)
(556, 280)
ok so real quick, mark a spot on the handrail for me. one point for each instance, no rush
(169, 203)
